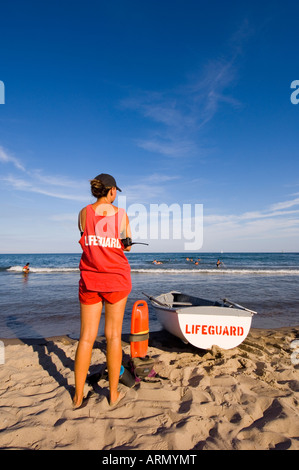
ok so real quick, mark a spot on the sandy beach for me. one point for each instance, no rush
(246, 398)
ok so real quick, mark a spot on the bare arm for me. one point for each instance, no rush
(82, 220)
(125, 231)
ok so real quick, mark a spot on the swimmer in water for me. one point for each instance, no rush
(26, 268)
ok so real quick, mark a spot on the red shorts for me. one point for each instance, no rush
(88, 297)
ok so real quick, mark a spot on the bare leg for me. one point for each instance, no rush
(114, 314)
(90, 319)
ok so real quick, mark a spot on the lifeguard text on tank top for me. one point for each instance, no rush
(105, 242)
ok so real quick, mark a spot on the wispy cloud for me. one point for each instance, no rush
(161, 178)
(149, 189)
(33, 186)
(276, 222)
(285, 204)
(168, 145)
(178, 115)
(275, 210)
(6, 157)
(35, 181)
(211, 90)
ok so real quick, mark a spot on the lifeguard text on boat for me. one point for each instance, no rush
(214, 330)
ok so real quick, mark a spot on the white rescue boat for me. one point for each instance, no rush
(201, 322)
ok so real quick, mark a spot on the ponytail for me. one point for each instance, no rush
(98, 189)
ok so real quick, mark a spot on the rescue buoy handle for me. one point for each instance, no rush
(140, 303)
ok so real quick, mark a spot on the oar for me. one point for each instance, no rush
(226, 301)
(153, 299)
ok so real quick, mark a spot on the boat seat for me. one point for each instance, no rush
(182, 303)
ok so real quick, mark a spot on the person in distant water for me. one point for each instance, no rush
(157, 262)
(104, 279)
(26, 268)
(218, 264)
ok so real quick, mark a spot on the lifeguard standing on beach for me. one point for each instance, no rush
(105, 278)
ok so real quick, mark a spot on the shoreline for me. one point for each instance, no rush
(154, 335)
(245, 398)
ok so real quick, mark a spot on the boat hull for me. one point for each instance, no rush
(206, 326)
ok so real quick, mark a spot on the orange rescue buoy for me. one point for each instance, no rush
(139, 329)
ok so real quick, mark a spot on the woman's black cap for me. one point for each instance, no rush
(107, 181)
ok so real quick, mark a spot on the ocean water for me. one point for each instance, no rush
(45, 302)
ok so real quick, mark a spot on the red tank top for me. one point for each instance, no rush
(104, 266)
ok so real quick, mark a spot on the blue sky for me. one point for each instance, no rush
(183, 101)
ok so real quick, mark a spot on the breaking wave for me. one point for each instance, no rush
(215, 271)
(19, 269)
(272, 272)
